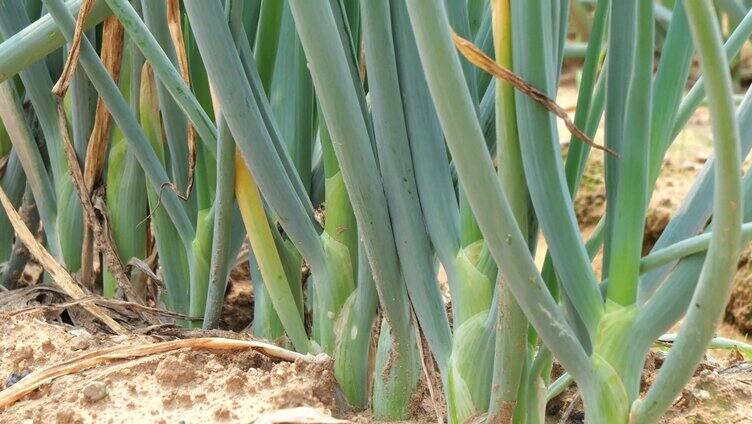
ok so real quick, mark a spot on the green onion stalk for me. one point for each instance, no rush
(12, 182)
(67, 226)
(335, 80)
(126, 187)
(362, 156)
(511, 329)
(172, 257)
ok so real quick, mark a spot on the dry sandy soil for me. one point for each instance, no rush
(198, 386)
(180, 386)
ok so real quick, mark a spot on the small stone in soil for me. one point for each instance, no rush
(577, 417)
(702, 394)
(95, 391)
(79, 343)
(222, 414)
(23, 353)
(15, 378)
(80, 332)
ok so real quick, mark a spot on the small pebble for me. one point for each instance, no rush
(702, 394)
(95, 391)
(80, 332)
(47, 346)
(16, 377)
(23, 353)
(79, 343)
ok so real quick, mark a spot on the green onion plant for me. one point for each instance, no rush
(363, 156)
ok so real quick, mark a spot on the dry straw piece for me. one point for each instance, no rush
(59, 274)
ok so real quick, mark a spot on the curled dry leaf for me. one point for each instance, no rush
(476, 56)
(61, 86)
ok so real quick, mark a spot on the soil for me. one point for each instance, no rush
(202, 386)
(237, 311)
(181, 386)
(718, 393)
(739, 308)
(715, 396)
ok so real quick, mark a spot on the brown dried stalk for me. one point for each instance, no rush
(96, 150)
(61, 86)
(476, 56)
(102, 236)
(176, 34)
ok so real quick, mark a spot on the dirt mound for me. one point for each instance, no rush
(237, 310)
(718, 393)
(715, 396)
(739, 308)
(181, 386)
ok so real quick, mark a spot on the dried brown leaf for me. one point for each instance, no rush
(176, 34)
(59, 274)
(61, 86)
(476, 56)
(96, 150)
